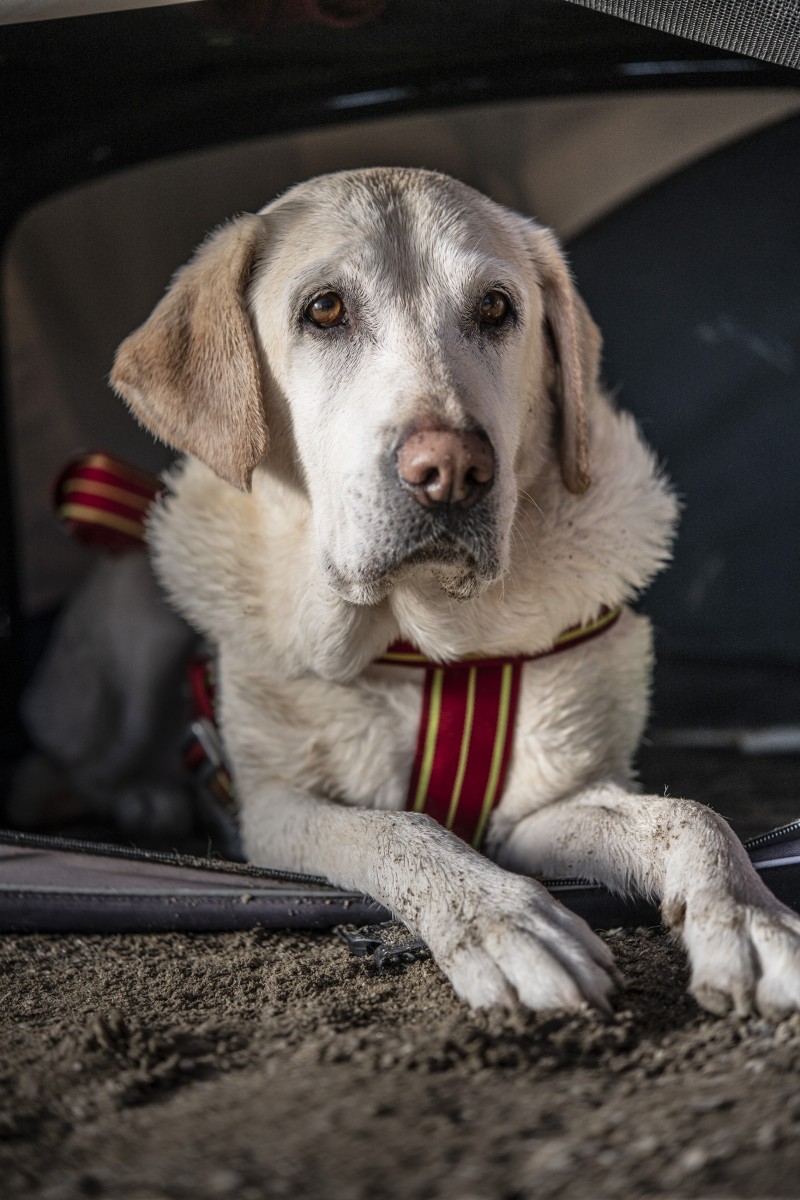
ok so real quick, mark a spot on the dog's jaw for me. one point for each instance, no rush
(464, 551)
(460, 571)
(459, 581)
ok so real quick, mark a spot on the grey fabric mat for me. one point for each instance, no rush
(55, 886)
(44, 889)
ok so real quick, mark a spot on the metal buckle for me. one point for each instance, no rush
(211, 773)
(388, 943)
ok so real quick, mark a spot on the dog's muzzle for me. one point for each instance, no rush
(434, 507)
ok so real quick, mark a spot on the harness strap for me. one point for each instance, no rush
(202, 750)
(103, 501)
(466, 729)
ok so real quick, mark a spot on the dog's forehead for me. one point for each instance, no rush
(398, 224)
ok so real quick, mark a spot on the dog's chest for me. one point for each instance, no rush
(578, 714)
(351, 742)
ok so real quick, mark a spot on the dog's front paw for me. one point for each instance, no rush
(523, 947)
(744, 957)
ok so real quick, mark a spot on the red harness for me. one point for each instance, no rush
(469, 706)
(466, 729)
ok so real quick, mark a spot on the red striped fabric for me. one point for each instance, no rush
(464, 745)
(103, 501)
(466, 729)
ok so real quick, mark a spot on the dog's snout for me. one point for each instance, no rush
(446, 466)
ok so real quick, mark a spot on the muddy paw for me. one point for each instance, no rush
(745, 957)
(532, 952)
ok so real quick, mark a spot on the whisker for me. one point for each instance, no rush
(538, 508)
(521, 531)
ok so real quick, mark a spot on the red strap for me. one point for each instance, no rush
(466, 729)
(103, 501)
(202, 689)
(405, 654)
(464, 745)
(203, 753)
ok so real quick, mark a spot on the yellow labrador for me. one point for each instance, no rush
(387, 390)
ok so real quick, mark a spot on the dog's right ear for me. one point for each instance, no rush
(191, 373)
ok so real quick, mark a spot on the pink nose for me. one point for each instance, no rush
(446, 467)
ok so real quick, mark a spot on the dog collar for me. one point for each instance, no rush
(466, 728)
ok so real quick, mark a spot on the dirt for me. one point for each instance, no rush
(252, 1065)
(265, 1064)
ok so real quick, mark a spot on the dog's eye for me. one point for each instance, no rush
(494, 308)
(327, 310)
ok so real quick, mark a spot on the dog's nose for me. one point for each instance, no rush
(446, 466)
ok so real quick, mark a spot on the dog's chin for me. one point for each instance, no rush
(462, 584)
(356, 591)
(460, 574)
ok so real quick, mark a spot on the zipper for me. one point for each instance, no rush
(783, 834)
(567, 884)
(38, 841)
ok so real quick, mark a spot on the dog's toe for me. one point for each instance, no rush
(529, 976)
(777, 941)
(542, 977)
(533, 956)
(478, 980)
(745, 958)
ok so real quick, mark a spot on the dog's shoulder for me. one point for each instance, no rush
(206, 541)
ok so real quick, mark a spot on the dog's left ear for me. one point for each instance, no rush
(577, 344)
(191, 373)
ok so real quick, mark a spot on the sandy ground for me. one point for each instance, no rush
(273, 1065)
(263, 1064)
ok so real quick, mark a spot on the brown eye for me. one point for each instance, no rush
(327, 310)
(494, 308)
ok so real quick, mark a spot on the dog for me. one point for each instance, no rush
(386, 389)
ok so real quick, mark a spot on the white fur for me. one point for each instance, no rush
(284, 581)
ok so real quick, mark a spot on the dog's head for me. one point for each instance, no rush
(418, 352)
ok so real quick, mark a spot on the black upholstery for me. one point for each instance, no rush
(696, 286)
